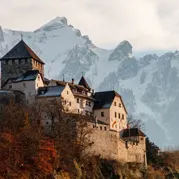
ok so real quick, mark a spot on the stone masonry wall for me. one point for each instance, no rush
(109, 145)
(13, 68)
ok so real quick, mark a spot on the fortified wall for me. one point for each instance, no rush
(108, 144)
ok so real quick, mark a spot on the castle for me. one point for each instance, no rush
(22, 70)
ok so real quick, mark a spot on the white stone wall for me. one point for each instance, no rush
(29, 88)
(68, 99)
(118, 122)
(105, 118)
(83, 105)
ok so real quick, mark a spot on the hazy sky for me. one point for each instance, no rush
(147, 24)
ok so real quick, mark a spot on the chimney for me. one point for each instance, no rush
(72, 81)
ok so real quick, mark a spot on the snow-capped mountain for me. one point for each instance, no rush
(149, 85)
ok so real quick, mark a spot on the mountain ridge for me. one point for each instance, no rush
(149, 85)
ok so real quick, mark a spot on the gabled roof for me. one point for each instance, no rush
(132, 132)
(105, 99)
(21, 51)
(50, 91)
(72, 86)
(83, 82)
(8, 80)
(30, 75)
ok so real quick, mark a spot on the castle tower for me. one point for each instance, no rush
(18, 60)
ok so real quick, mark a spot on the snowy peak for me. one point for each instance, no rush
(122, 51)
(1, 35)
(55, 24)
(125, 47)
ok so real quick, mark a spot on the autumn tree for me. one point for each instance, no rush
(69, 131)
(20, 143)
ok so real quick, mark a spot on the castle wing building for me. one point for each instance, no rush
(109, 108)
(28, 83)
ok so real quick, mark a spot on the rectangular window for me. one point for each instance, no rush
(122, 116)
(114, 103)
(119, 116)
(89, 103)
(120, 105)
(70, 103)
(102, 114)
(10, 86)
(67, 92)
(86, 103)
(105, 128)
(77, 100)
(115, 114)
(101, 128)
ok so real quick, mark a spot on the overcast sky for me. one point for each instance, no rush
(147, 24)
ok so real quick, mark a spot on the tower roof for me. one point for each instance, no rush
(83, 82)
(21, 51)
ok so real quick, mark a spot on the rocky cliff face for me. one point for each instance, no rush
(149, 85)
